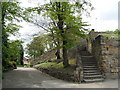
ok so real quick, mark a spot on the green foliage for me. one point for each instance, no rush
(117, 31)
(110, 35)
(15, 50)
(115, 34)
(71, 14)
(39, 45)
(65, 21)
(19, 65)
(11, 12)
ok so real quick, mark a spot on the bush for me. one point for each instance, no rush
(31, 65)
(38, 63)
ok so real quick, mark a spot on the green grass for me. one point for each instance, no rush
(55, 65)
(53, 58)
(46, 64)
(20, 66)
(110, 35)
(58, 66)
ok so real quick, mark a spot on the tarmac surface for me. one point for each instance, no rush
(31, 78)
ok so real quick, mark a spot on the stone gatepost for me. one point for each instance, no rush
(105, 50)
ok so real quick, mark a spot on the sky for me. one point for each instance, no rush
(103, 17)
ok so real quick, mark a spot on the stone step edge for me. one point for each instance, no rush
(90, 76)
(94, 80)
(92, 73)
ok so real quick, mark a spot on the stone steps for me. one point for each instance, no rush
(92, 76)
(87, 56)
(93, 80)
(85, 53)
(91, 72)
(89, 64)
(90, 68)
(88, 60)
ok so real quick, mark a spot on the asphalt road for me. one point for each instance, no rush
(32, 78)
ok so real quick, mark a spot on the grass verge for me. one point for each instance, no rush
(58, 66)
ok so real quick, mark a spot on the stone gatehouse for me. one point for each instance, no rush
(106, 52)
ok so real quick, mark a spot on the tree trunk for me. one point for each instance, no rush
(21, 55)
(65, 55)
(21, 58)
(60, 26)
(58, 54)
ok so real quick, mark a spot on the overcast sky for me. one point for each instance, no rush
(104, 17)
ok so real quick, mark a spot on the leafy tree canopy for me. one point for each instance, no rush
(64, 21)
(39, 45)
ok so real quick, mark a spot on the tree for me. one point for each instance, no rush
(65, 22)
(11, 12)
(15, 50)
(39, 45)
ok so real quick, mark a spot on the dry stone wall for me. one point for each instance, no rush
(46, 56)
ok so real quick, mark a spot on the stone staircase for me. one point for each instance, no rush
(91, 72)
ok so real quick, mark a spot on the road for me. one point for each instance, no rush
(32, 78)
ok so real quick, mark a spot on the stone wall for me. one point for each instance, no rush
(46, 56)
(105, 50)
(92, 35)
(72, 52)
